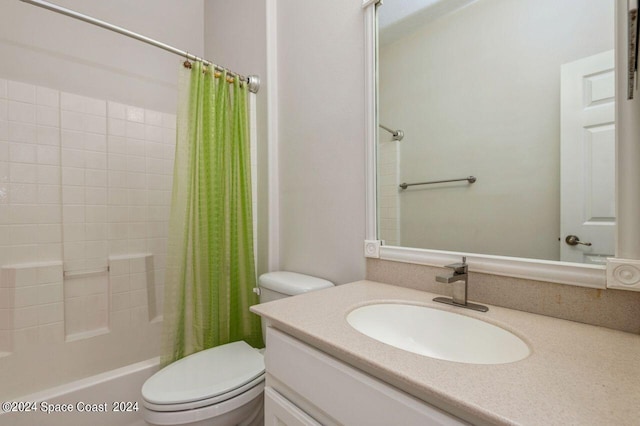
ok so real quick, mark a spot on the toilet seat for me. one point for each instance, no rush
(205, 378)
(206, 401)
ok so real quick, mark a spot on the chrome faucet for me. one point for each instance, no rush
(460, 281)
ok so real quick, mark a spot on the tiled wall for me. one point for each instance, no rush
(30, 194)
(31, 305)
(86, 184)
(134, 297)
(388, 190)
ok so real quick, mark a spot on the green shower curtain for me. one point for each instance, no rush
(210, 272)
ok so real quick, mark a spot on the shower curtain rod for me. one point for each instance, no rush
(252, 81)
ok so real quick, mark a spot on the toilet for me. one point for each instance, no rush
(221, 386)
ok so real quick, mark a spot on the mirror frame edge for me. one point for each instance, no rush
(593, 276)
(371, 113)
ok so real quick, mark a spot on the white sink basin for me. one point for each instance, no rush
(438, 334)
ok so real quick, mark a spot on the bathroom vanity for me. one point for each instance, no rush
(320, 370)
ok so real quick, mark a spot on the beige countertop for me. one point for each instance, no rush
(577, 374)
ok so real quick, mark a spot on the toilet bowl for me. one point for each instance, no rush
(221, 386)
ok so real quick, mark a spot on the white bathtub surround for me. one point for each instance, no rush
(85, 184)
(124, 295)
(30, 196)
(31, 306)
(135, 295)
(121, 386)
(573, 376)
(85, 187)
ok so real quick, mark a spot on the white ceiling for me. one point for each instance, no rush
(397, 18)
(393, 11)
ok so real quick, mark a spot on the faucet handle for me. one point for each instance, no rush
(460, 267)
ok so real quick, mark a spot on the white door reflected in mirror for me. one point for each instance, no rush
(588, 155)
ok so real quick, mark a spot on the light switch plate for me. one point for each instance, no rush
(372, 248)
(623, 274)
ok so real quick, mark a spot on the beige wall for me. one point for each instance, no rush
(495, 114)
(321, 138)
(320, 127)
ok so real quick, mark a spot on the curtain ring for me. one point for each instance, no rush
(186, 63)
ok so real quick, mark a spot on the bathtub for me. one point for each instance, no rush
(107, 399)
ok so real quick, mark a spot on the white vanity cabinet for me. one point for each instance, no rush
(308, 387)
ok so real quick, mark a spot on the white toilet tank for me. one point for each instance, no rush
(280, 284)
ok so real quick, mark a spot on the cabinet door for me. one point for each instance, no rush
(279, 411)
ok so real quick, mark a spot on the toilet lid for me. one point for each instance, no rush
(205, 374)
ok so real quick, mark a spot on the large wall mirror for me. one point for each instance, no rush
(519, 95)
(514, 102)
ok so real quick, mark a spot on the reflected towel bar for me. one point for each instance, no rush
(85, 272)
(470, 179)
(397, 134)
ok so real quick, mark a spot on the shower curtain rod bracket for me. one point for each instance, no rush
(253, 83)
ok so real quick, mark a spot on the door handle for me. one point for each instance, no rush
(573, 240)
